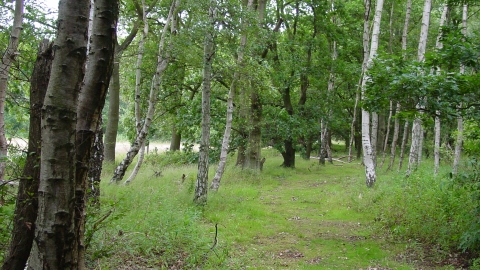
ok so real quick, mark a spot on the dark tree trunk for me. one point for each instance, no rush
(113, 114)
(308, 147)
(289, 154)
(176, 139)
(95, 167)
(27, 198)
(254, 149)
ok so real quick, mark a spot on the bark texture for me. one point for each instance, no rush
(27, 202)
(201, 185)
(55, 235)
(8, 58)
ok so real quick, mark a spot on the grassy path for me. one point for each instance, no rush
(307, 218)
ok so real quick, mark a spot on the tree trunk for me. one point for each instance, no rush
(57, 198)
(162, 63)
(176, 139)
(387, 135)
(417, 130)
(138, 78)
(209, 54)
(404, 144)
(27, 201)
(437, 131)
(90, 106)
(459, 143)
(7, 60)
(231, 95)
(396, 130)
(113, 113)
(95, 167)
(368, 151)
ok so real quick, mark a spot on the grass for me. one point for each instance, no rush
(310, 217)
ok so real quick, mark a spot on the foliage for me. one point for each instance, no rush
(436, 212)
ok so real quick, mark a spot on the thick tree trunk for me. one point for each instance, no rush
(27, 198)
(417, 130)
(8, 58)
(162, 63)
(57, 198)
(90, 106)
(231, 95)
(201, 185)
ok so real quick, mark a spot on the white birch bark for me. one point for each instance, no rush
(417, 130)
(459, 142)
(201, 188)
(366, 41)
(368, 151)
(437, 129)
(8, 58)
(162, 63)
(231, 95)
(138, 79)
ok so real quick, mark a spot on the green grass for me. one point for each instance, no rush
(310, 217)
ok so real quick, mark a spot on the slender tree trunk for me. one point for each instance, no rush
(417, 130)
(162, 63)
(385, 142)
(459, 143)
(368, 151)
(113, 113)
(27, 198)
(95, 167)
(437, 131)
(404, 144)
(57, 198)
(200, 197)
(8, 58)
(231, 95)
(138, 78)
(396, 130)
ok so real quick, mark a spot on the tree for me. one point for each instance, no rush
(201, 185)
(417, 130)
(368, 153)
(27, 198)
(162, 63)
(231, 95)
(56, 201)
(8, 58)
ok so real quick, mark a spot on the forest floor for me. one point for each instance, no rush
(310, 217)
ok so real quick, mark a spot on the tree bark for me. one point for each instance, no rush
(95, 167)
(417, 129)
(404, 144)
(368, 151)
(201, 185)
(231, 95)
(176, 139)
(162, 63)
(396, 130)
(27, 202)
(387, 135)
(7, 60)
(57, 190)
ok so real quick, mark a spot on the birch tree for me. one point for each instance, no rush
(138, 77)
(162, 63)
(417, 129)
(231, 95)
(437, 131)
(459, 141)
(8, 59)
(201, 185)
(56, 200)
(368, 153)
